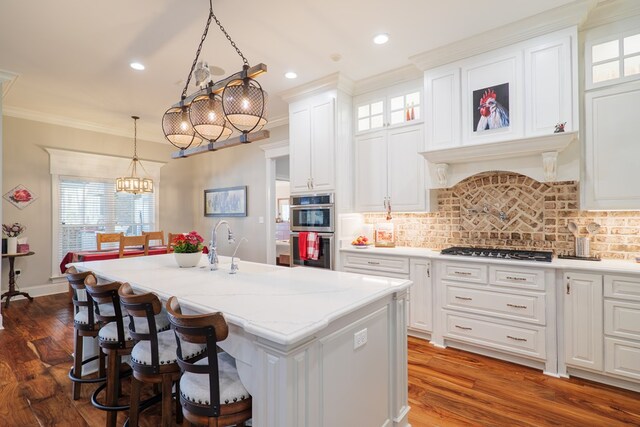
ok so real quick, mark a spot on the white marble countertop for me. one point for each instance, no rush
(281, 304)
(605, 265)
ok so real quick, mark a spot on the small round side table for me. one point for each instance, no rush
(12, 278)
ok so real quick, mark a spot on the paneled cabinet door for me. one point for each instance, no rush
(322, 146)
(442, 100)
(300, 148)
(583, 320)
(548, 77)
(611, 148)
(406, 184)
(421, 306)
(371, 171)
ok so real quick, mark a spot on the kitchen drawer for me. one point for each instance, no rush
(464, 272)
(622, 357)
(398, 265)
(623, 287)
(528, 341)
(516, 277)
(376, 273)
(622, 319)
(515, 306)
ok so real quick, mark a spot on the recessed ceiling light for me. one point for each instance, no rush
(290, 75)
(137, 66)
(381, 38)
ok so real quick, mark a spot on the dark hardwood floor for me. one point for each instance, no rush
(446, 387)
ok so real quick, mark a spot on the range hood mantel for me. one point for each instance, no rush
(502, 150)
(547, 146)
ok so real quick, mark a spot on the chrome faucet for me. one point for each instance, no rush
(213, 244)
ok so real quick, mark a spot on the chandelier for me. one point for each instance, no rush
(132, 183)
(218, 109)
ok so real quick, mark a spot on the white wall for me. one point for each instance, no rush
(231, 167)
(26, 162)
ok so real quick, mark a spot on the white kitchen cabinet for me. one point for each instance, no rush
(388, 108)
(548, 87)
(390, 170)
(421, 295)
(312, 144)
(418, 270)
(612, 151)
(583, 319)
(442, 107)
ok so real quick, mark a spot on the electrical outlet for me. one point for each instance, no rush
(359, 338)
(18, 272)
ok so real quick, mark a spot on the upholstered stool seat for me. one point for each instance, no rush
(82, 316)
(195, 387)
(109, 332)
(167, 348)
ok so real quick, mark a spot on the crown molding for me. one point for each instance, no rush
(278, 121)
(386, 79)
(543, 23)
(7, 79)
(332, 81)
(38, 116)
(608, 12)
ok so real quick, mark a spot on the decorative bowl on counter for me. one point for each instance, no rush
(361, 242)
(186, 260)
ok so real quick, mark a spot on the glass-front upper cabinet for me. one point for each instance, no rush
(613, 60)
(389, 107)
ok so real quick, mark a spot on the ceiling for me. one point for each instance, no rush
(72, 56)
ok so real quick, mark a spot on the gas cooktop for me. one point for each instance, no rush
(517, 255)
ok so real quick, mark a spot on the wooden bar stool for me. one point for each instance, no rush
(211, 392)
(85, 325)
(153, 358)
(116, 342)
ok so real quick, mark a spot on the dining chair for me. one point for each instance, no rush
(155, 236)
(211, 392)
(106, 238)
(153, 358)
(85, 325)
(136, 242)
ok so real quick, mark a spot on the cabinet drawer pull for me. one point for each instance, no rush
(464, 328)
(373, 262)
(516, 278)
(516, 305)
(464, 298)
(462, 273)
(516, 338)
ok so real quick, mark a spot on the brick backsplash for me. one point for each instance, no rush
(508, 210)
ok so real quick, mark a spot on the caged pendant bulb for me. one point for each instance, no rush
(216, 109)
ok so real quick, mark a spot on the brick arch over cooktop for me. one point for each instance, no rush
(500, 201)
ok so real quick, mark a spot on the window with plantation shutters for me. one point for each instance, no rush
(91, 205)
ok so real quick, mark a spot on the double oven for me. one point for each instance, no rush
(313, 212)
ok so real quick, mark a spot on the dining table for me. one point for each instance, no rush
(112, 253)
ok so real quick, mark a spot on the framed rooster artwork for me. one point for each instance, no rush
(491, 108)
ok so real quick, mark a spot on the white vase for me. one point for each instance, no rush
(187, 260)
(12, 245)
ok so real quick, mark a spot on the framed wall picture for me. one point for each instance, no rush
(492, 110)
(231, 201)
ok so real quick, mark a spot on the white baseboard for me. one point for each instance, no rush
(43, 290)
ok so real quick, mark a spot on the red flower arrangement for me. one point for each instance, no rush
(21, 196)
(188, 243)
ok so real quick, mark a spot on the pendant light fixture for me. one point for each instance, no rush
(211, 114)
(132, 183)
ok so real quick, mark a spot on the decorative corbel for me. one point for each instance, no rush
(550, 165)
(442, 171)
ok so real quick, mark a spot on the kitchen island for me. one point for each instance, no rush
(313, 347)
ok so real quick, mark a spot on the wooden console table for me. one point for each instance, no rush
(12, 278)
